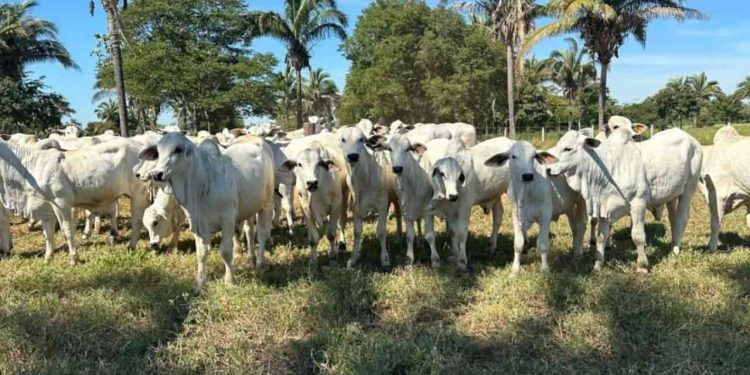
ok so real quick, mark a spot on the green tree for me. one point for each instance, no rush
(302, 24)
(193, 57)
(321, 92)
(107, 111)
(26, 107)
(534, 109)
(703, 90)
(25, 39)
(604, 25)
(572, 74)
(418, 64)
(743, 88)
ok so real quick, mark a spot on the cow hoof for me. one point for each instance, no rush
(73, 261)
(597, 265)
(228, 279)
(545, 270)
(676, 250)
(112, 240)
(351, 263)
(85, 236)
(642, 270)
(387, 268)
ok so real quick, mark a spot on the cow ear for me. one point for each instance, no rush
(592, 142)
(604, 128)
(409, 127)
(587, 132)
(149, 153)
(377, 142)
(280, 134)
(288, 165)
(545, 157)
(435, 172)
(497, 160)
(640, 128)
(418, 148)
(330, 166)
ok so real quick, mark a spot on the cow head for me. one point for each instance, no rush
(311, 167)
(156, 223)
(354, 144)
(620, 122)
(448, 179)
(171, 155)
(401, 150)
(568, 155)
(523, 161)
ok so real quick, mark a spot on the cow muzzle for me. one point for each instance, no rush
(352, 158)
(312, 186)
(452, 197)
(158, 176)
(527, 177)
(398, 170)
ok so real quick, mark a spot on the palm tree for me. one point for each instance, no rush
(604, 25)
(25, 39)
(743, 89)
(703, 90)
(107, 111)
(322, 93)
(571, 74)
(115, 35)
(303, 23)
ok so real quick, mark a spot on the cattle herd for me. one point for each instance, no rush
(241, 182)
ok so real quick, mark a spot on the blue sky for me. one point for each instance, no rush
(719, 46)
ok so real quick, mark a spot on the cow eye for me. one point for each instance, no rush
(513, 156)
(178, 150)
(343, 140)
(461, 178)
(567, 149)
(616, 127)
(155, 223)
(362, 140)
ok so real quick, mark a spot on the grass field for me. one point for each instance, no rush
(136, 312)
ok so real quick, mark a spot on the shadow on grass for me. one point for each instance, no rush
(104, 323)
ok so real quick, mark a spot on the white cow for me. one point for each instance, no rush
(331, 144)
(725, 180)
(318, 185)
(465, 132)
(366, 179)
(611, 177)
(460, 181)
(283, 200)
(162, 219)
(219, 191)
(413, 188)
(91, 178)
(539, 198)
(366, 126)
(427, 132)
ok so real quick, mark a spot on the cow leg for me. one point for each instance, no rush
(87, 223)
(519, 239)
(409, 240)
(331, 225)
(313, 236)
(420, 234)
(264, 233)
(462, 233)
(202, 246)
(249, 229)
(354, 258)
(497, 220)
(288, 206)
(226, 248)
(64, 215)
(747, 215)
(381, 232)
(175, 240)
(343, 216)
(638, 233)
(578, 227)
(593, 233)
(399, 217)
(113, 230)
(542, 241)
(429, 227)
(672, 212)
(5, 240)
(137, 207)
(602, 236)
(97, 224)
(276, 211)
(48, 229)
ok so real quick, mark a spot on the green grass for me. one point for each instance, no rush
(123, 312)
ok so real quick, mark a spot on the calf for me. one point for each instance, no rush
(460, 181)
(162, 219)
(538, 198)
(318, 186)
(413, 188)
(611, 177)
(219, 191)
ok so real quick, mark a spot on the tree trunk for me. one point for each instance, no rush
(511, 95)
(114, 44)
(603, 92)
(299, 98)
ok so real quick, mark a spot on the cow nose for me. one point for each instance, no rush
(398, 170)
(159, 176)
(352, 158)
(527, 177)
(312, 185)
(453, 197)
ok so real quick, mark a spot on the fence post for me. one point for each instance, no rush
(542, 133)
(505, 132)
